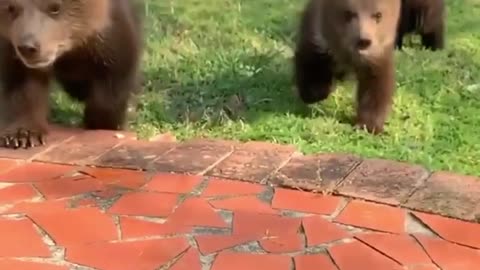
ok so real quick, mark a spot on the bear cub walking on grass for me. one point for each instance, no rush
(340, 37)
(426, 18)
(91, 47)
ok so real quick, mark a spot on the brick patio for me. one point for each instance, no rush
(107, 201)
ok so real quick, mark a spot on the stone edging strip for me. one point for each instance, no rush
(389, 182)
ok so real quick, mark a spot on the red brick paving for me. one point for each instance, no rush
(373, 216)
(188, 211)
(314, 262)
(25, 265)
(330, 232)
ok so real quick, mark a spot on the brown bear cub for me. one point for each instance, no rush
(426, 18)
(349, 36)
(92, 48)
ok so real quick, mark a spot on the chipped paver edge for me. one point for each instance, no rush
(371, 184)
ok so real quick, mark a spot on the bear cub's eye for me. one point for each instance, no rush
(12, 10)
(349, 15)
(54, 8)
(377, 16)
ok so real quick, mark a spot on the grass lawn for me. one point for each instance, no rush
(222, 68)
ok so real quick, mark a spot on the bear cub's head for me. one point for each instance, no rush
(41, 31)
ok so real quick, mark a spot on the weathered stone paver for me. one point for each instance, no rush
(182, 212)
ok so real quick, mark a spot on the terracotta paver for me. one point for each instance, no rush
(240, 261)
(85, 147)
(196, 212)
(246, 203)
(20, 238)
(356, 255)
(135, 228)
(329, 231)
(18, 264)
(448, 194)
(253, 161)
(284, 243)
(305, 202)
(173, 183)
(176, 206)
(123, 178)
(383, 181)
(17, 192)
(190, 260)
(145, 204)
(313, 262)
(208, 244)
(448, 255)
(35, 172)
(221, 187)
(133, 154)
(142, 254)
(402, 248)
(455, 231)
(373, 216)
(321, 172)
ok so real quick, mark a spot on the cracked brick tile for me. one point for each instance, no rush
(76, 226)
(173, 183)
(457, 231)
(244, 204)
(196, 212)
(450, 256)
(241, 261)
(356, 255)
(321, 231)
(189, 261)
(20, 238)
(373, 216)
(35, 172)
(145, 204)
(133, 228)
(221, 187)
(134, 255)
(8, 264)
(17, 193)
(314, 262)
(306, 202)
(402, 248)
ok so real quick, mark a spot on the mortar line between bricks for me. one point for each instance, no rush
(148, 166)
(40, 194)
(266, 179)
(220, 160)
(341, 206)
(87, 162)
(45, 232)
(174, 260)
(431, 230)
(426, 252)
(355, 167)
(426, 211)
(42, 260)
(378, 250)
(106, 151)
(142, 168)
(84, 267)
(329, 255)
(415, 189)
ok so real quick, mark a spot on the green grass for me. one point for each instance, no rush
(222, 69)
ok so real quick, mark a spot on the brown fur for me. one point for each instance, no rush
(349, 36)
(91, 47)
(426, 18)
